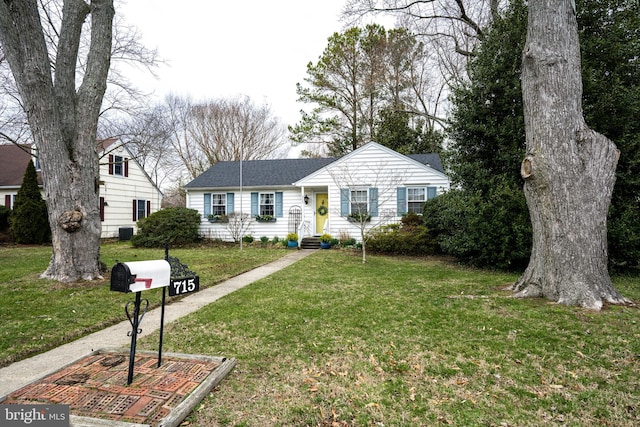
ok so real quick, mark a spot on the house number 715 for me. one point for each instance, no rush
(184, 285)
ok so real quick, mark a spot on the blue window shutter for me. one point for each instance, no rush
(344, 201)
(373, 201)
(402, 200)
(207, 204)
(254, 204)
(279, 204)
(230, 203)
(431, 192)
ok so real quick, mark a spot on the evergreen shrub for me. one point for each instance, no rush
(175, 226)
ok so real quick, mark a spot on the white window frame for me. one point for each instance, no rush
(353, 202)
(118, 163)
(425, 193)
(218, 204)
(144, 209)
(264, 207)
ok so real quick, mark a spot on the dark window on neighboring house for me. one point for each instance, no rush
(141, 209)
(118, 165)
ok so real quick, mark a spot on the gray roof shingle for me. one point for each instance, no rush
(278, 172)
(257, 173)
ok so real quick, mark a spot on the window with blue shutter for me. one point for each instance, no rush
(254, 204)
(431, 192)
(207, 204)
(230, 203)
(279, 204)
(373, 201)
(402, 200)
(344, 201)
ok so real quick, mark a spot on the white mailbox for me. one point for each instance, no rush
(140, 275)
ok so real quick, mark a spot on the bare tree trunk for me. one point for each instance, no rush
(63, 122)
(569, 169)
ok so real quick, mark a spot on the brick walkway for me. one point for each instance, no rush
(96, 386)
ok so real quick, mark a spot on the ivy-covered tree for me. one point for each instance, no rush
(610, 42)
(484, 220)
(28, 219)
(486, 131)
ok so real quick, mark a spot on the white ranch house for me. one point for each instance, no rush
(317, 195)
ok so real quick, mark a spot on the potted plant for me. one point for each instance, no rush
(359, 217)
(265, 218)
(292, 240)
(218, 218)
(325, 241)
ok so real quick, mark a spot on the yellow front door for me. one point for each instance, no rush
(322, 211)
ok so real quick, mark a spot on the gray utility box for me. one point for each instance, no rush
(125, 233)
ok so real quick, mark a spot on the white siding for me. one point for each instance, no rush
(280, 228)
(371, 166)
(120, 191)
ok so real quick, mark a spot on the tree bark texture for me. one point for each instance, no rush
(63, 122)
(569, 169)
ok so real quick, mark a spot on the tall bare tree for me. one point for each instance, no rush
(569, 169)
(121, 96)
(63, 120)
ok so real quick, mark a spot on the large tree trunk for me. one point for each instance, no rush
(63, 122)
(569, 169)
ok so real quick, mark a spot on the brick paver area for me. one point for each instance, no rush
(96, 386)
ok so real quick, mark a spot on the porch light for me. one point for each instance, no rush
(306, 199)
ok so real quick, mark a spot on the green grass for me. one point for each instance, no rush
(405, 342)
(329, 341)
(38, 314)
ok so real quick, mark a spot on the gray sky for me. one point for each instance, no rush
(217, 48)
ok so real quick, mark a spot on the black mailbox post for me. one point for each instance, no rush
(141, 275)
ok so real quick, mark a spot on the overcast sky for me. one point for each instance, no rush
(217, 48)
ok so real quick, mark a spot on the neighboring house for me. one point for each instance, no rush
(13, 163)
(127, 194)
(317, 195)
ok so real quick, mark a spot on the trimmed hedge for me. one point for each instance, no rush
(409, 238)
(175, 226)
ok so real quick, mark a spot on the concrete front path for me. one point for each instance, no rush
(24, 372)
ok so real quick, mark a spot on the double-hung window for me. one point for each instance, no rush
(415, 198)
(218, 203)
(359, 201)
(267, 204)
(118, 165)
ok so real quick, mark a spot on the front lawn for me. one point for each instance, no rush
(411, 342)
(330, 341)
(38, 314)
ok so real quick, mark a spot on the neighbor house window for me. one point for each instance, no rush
(218, 203)
(359, 201)
(267, 204)
(141, 209)
(118, 165)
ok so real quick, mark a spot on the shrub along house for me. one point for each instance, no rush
(127, 194)
(317, 195)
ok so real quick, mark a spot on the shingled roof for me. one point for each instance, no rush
(13, 163)
(278, 172)
(255, 173)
